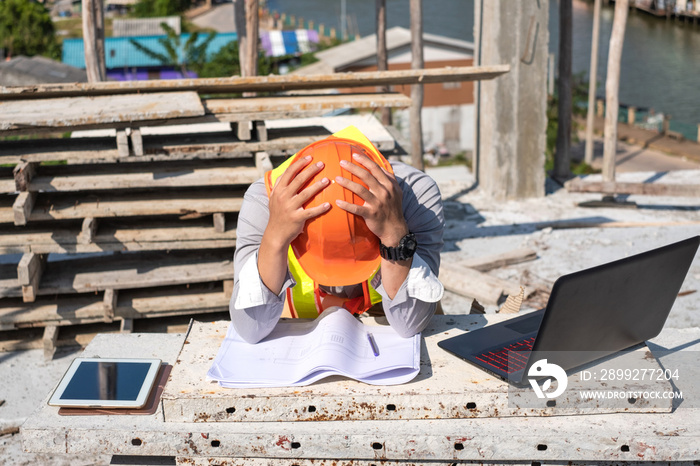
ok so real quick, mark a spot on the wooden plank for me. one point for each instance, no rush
(649, 189)
(490, 262)
(120, 236)
(68, 113)
(23, 174)
(21, 209)
(219, 222)
(172, 301)
(272, 83)
(87, 232)
(136, 142)
(217, 111)
(49, 341)
(127, 326)
(79, 206)
(129, 176)
(122, 143)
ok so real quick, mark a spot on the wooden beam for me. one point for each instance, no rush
(23, 173)
(242, 130)
(474, 284)
(228, 289)
(22, 208)
(158, 235)
(136, 142)
(88, 230)
(29, 273)
(30, 266)
(263, 163)
(219, 222)
(415, 118)
(49, 341)
(649, 189)
(127, 325)
(382, 60)
(127, 176)
(272, 83)
(259, 130)
(612, 88)
(110, 303)
(124, 205)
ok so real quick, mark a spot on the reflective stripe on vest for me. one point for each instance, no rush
(305, 299)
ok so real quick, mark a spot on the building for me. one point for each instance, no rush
(24, 71)
(125, 62)
(448, 108)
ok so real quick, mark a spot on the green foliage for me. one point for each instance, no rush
(193, 55)
(26, 29)
(226, 63)
(579, 87)
(155, 8)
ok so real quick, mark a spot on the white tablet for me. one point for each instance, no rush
(106, 383)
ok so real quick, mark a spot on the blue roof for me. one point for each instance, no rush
(120, 52)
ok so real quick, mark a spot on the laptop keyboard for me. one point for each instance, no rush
(511, 358)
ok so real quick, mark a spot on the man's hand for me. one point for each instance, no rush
(287, 219)
(382, 210)
(287, 199)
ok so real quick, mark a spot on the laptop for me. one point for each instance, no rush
(590, 314)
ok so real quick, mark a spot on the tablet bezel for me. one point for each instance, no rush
(146, 387)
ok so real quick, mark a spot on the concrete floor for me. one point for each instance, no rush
(475, 226)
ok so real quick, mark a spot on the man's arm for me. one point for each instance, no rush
(395, 204)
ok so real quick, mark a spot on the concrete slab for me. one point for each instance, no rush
(671, 436)
(445, 388)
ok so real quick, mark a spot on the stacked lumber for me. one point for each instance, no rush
(139, 221)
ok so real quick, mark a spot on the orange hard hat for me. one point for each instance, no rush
(337, 248)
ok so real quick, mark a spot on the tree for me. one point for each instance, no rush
(226, 63)
(26, 29)
(155, 8)
(191, 55)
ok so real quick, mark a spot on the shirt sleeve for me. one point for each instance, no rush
(254, 309)
(416, 300)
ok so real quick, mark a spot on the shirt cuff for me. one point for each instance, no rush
(251, 289)
(421, 283)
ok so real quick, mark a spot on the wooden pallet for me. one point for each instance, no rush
(34, 276)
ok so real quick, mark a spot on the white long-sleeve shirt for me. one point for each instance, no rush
(255, 309)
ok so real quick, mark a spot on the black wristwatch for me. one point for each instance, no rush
(404, 251)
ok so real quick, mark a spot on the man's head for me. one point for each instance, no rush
(337, 248)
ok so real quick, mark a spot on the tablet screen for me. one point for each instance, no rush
(106, 381)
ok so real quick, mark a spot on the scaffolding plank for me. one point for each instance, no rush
(618, 187)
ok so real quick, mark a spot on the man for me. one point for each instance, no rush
(337, 224)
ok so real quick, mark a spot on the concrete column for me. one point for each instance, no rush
(512, 109)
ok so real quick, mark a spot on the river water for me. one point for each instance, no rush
(660, 60)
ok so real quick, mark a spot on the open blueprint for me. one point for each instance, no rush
(299, 353)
